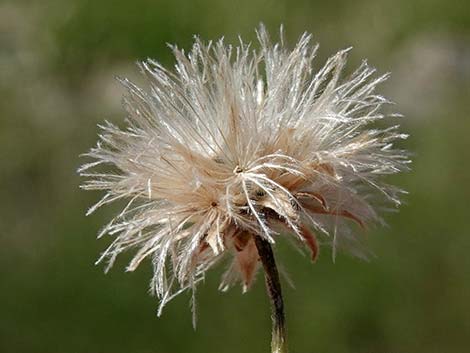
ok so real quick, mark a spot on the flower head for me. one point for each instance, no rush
(238, 142)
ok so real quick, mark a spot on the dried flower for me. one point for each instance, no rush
(237, 148)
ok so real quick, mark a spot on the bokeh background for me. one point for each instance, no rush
(58, 60)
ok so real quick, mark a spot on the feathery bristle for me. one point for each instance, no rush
(236, 142)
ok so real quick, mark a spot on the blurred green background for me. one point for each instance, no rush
(58, 60)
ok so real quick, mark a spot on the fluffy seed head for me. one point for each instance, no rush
(235, 142)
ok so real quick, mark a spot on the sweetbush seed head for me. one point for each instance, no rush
(235, 142)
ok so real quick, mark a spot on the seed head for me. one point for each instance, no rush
(236, 142)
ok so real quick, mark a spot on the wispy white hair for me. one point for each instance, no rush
(235, 142)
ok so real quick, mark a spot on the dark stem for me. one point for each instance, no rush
(273, 286)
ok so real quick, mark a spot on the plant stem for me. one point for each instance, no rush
(273, 286)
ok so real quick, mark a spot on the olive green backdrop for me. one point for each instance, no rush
(58, 60)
